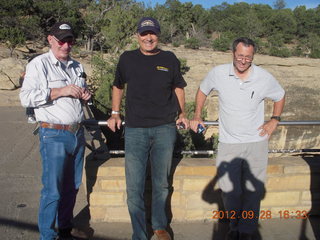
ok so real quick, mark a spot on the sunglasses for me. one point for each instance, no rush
(69, 41)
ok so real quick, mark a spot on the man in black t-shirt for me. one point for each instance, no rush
(154, 99)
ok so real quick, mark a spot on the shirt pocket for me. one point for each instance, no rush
(57, 83)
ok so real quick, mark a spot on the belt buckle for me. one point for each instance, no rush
(74, 128)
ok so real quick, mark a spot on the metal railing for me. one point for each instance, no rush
(216, 123)
(211, 123)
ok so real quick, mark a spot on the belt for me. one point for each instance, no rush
(71, 128)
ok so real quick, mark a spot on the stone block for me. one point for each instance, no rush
(195, 201)
(106, 171)
(194, 214)
(178, 214)
(176, 184)
(312, 196)
(306, 196)
(292, 182)
(117, 214)
(297, 169)
(97, 214)
(196, 171)
(275, 169)
(284, 199)
(195, 184)
(113, 185)
(178, 199)
(107, 199)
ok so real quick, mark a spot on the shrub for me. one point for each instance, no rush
(184, 68)
(223, 43)
(176, 44)
(298, 51)
(280, 52)
(315, 53)
(192, 43)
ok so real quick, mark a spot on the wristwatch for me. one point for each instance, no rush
(115, 112)
(278, 118)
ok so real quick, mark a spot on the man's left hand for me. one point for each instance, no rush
(182, 120)
(268, 128)
(86, 94)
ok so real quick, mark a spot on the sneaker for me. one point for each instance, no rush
(162, 234)
(31, 119)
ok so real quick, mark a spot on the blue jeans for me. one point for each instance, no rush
(141, 144)
(62, 155)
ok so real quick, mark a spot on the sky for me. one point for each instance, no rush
(210, 3)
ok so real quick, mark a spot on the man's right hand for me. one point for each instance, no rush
(67, 91)
(194, 124)
(72, 90)
(114, 122)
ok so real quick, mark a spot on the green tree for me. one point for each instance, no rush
(120, 25)
(52, 11)
(314, 44)
(232, 19)
(168, 28)
(279, 4)
(307, 21)
(282, 22)
(19, 14)
(277, 47)
(216, 15)
(192, 43)
(94, 19)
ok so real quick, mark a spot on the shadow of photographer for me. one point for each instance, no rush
(234, 206)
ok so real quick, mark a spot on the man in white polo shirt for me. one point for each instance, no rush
(55, 86)
(243, 135)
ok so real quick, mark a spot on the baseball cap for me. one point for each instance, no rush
(148, 24)
(61, 30)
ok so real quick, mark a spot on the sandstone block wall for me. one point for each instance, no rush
(292, 186)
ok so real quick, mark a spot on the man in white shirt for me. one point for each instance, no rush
(243, 135)
(55, 86)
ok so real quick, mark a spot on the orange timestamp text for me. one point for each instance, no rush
(263, 214)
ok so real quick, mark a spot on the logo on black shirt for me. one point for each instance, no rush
(160, 68)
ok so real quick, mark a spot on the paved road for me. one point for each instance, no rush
(20, 183)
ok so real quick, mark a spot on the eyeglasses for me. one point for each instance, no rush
(241, 58)
(63, 41)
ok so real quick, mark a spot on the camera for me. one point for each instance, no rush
(200, 129)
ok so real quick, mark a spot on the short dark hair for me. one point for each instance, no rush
(246, 41)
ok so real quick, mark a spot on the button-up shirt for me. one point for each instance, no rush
(44, 73)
